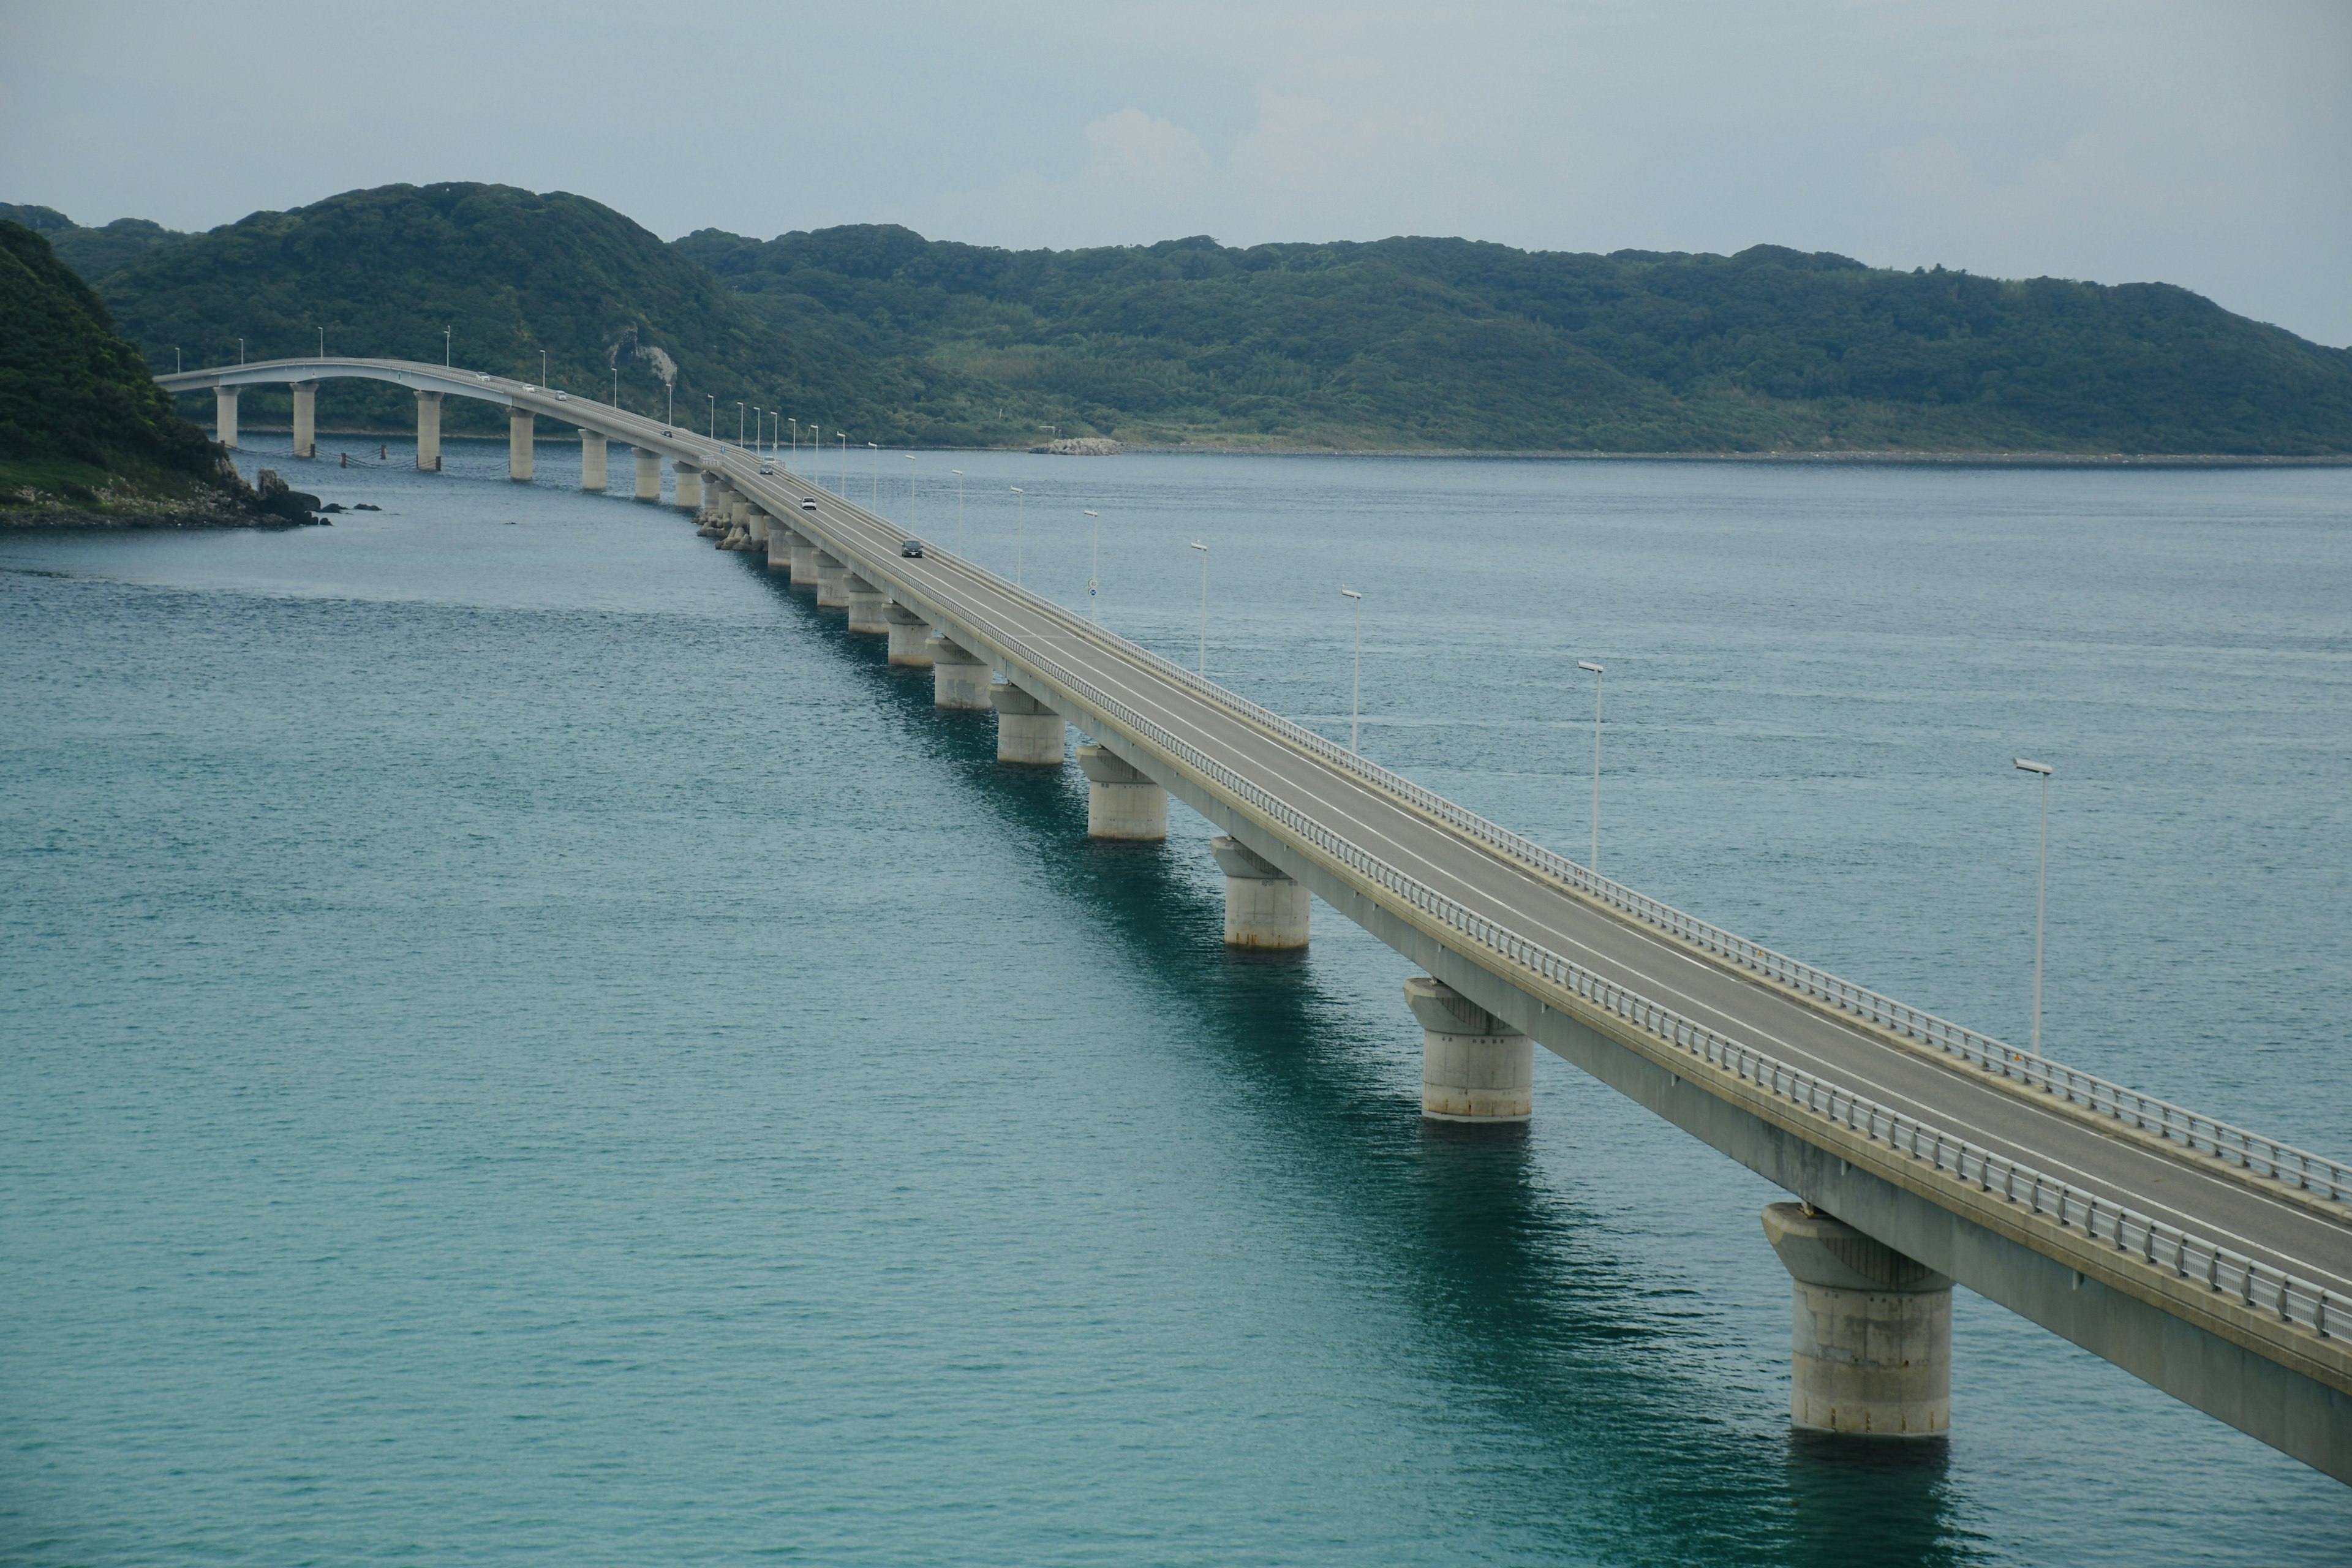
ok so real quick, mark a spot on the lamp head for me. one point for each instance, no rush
(1588, 664)
(1091, 512)
(1351, 594)
(1200, 547)
(2023, 766)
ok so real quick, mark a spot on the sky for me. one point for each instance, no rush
(2207, 145)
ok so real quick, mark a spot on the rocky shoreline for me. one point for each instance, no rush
(269, 503)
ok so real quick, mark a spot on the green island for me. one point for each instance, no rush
(1398, 345)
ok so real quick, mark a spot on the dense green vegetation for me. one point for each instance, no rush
(81, 422)
(1397, 343)
(1446, 342)
(92, 252)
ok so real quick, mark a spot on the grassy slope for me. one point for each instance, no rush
(80, 419)
(1451, 343)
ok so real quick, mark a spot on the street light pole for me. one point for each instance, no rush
(796, 443)
(1020, 513)
(874, 485)
(910, 495)
(844, 434)
(958, 474)
(1356, 702)
(444, 348)
(1094, 577)
(2041, 889)
(739, 426)
(542, 367)
(1204, 606)
(1593, 863)
(712, 399)
(323, 342)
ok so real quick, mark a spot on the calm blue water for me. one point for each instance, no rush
(524, 1043)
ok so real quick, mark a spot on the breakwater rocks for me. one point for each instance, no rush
(1080, 447)
(268, 502)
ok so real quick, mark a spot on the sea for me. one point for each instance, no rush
(522, 1041)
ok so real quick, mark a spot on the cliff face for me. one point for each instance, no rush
(84, 433)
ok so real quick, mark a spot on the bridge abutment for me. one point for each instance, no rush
(1028, 732)
(1122, 801)
(1264, 907)
(908, 635)
(960, 679)
(1871, 1338)
(866, 602)
(591, 460)
(689, 494)
(521, 427)
(649, 474)
(1474, 1066)
(306, 418)
(225, 417)
(428, 432)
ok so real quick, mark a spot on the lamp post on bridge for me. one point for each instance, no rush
(739, 426)
(240, 351)
(323, 342)
(446, 347)
(874, 486)
(542, 367)
(1094, 575)
(759, 431)
(844, 436)
(1592, 861)
(910, 495)
(1204, 606)
(958, 477)
(712, 399)
(1355, 701)
(2041, 888)
(1020, 516)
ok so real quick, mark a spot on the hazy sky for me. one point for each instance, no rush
(2209, 145)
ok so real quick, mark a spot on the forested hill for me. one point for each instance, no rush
(1448, 342)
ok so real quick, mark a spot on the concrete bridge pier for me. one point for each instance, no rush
(756, 523)
(960, 679)
(688, 495)
(710, 522)
(1473, 1067)
(780, 547)
(648, 475)
(1264, 908)
(520, 426)
(804, 554)
(908, 635)
(832, 583)
(866, 602)
(1871, 1342)
(1028, 731)
(225, 417)
(428, 432)
(591, 460)
(306, 418)
(1121, 801)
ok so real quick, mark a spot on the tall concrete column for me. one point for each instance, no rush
(1264, 908)
(832, 583)
(225, 417)
(909, 635)
(520, 424)
(1871, 1338)
(306, 418)
(780, 547)
(960, 678)
(1473, 1067)
(755, 522)
(690, 486)
(866, 602)
(591, 460)
(649, 474)
(428, 432)
(712, 517)
(804, 554)
(1121, 801)
(1028, 731)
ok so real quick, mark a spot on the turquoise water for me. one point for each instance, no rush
(525, 1043)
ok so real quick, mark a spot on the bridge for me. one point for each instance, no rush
(2214, 1263)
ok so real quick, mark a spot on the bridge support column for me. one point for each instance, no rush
(428, 432)
(866, 602)
(1263, 907)
(804, 554)
(591, 460)
(1871, 1342)
(832, 583)
(306, 418)
(1028, 731)
(756, 523)
(1473, 1067)
(1121, 802)
(688, 495)
(711, 520)
(225, 417)
(958, 677)
(648, 475)
(909, 635)
(520, 426)
(780, 547)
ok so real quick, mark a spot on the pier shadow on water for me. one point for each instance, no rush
(1603, 1373)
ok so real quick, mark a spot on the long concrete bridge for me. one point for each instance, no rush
(2214, 1263)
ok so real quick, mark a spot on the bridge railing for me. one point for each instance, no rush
(2150, 1241)
(2194, 1131)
